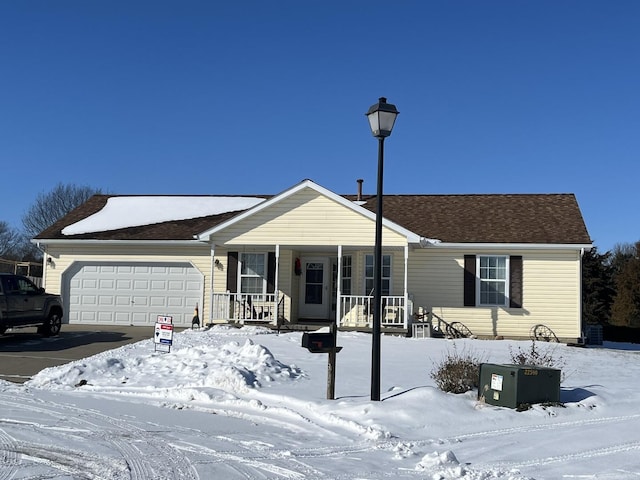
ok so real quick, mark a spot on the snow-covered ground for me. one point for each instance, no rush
(247, 403)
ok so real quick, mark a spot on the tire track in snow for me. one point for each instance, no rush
(138, 467)
(9, 458)
(582, 454)
(275, 463)
(78, 463)
(122, 435)
(532, 428)
(240, 459)
(158, 458)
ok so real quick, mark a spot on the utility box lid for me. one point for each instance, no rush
(513, 386)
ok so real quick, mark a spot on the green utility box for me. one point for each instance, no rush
(514, 385)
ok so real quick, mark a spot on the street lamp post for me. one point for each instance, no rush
(381, 117)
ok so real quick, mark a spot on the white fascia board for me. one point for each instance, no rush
(183, 243)
(411, 237)
(512, 246)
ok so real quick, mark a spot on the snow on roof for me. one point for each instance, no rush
(124, 212)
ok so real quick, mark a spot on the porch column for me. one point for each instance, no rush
(212, 269)
(275, 286)
(406, 286)
(45, 266)
(339, 287)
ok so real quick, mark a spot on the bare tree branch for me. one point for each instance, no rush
(10, 240)
(52, 206)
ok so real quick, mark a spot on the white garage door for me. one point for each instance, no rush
(132, 293)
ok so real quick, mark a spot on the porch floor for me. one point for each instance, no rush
(308, 324)
(312, 325)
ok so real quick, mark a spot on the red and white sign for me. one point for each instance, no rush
(164, 333)
(164, 320)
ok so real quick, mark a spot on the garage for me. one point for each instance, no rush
(131, 293)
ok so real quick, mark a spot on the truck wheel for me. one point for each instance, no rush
(51, 326)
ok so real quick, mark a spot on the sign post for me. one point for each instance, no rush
(325, 343)
(331, 367)
(163, 334)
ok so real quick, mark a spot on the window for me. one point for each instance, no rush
(252, 273)
(345, 284)
(493, 279)
(369, 267)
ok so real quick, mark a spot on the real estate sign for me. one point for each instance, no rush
(163, 334)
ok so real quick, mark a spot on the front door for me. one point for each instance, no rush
(314, 288)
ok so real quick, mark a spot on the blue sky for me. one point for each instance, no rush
(210, 97)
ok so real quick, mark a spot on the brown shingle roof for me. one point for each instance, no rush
(517, 218)
(498, 218)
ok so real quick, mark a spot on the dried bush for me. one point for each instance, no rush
(536, 357)
(457, 372)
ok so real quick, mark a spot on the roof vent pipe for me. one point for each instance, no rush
(360, 181)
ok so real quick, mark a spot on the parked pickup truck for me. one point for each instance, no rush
(23, 304)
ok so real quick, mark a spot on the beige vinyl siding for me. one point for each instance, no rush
(63, 256)
(435, 277)
(220, 272)
(551, 291)
(306, 218)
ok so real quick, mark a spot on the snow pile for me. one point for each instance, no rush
(214, 363)
(437, 460)
(445, 466)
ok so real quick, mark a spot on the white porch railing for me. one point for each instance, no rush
(354, 311)
(357, 311)
(242, 307)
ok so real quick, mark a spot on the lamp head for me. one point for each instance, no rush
(382, 116)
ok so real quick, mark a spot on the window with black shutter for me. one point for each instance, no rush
(493, 280)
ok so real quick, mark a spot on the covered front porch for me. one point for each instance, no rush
(290, 286)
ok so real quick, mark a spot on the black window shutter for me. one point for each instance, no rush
(469, 280)
(515, 281)
(271, 272)
(232, 272)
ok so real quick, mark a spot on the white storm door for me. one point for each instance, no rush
(314, 288)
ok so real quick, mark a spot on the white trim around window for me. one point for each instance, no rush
(346, 277)
(369, 267)
(252, 273)
(492, 287)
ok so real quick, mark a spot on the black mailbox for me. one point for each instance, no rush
(319, 342)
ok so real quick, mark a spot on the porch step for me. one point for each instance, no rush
(314, 321)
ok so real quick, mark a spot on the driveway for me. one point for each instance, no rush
(23, 352)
